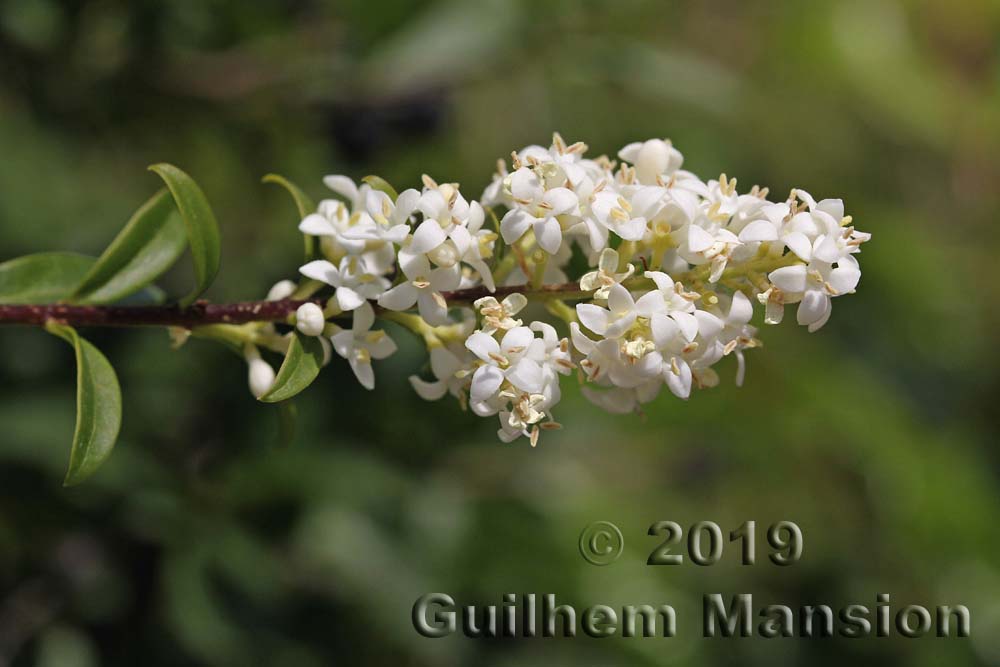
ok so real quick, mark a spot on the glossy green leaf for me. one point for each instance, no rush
(42, 278)
(202, 229)
(301, 366)
(98, 407)
(152, 240)
(380, 184)
(303, 203)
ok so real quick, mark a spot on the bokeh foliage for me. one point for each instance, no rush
(202, 543)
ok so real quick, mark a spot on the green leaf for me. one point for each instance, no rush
(304, 204)
(42, 278)
(152, 240)
(98, 407)
(202, 229)
(301, 366)
(380, 184)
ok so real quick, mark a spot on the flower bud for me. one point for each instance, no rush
(260, 375)
(281, 290)
(656, 157)
(309, 319)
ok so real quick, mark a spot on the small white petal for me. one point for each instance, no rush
(741, 311)
(323, 271)
(429, 391)
(514, 224)
(699, 239)
(400, 297)
(483, 346)
(799, 243)
(813, 307)
(844, 279)
(431, 309)
(364, 318)
(485, 382)
(680, 385)
(791, 279)
(348, 299)
(518, 337)
(363, 371)
(708, 324)
(316, 225)
(526, 375)
(688, 324)
(593, 317)
(562, 200)
(619, 300)
(758, 230)
(342, 185)
(664, 329)
(548, 233)
(383, 347)
(427, 236)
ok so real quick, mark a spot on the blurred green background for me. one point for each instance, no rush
(201, 543)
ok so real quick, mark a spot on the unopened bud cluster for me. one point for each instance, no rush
(674, 270)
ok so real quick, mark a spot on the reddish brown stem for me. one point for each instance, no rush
(203, 313)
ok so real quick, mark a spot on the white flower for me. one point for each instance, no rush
(452, 372)
(814, 285)
(613, 321)
(701, 245)
(352, 279)
(333, 220)
(424, 287)
(383, 219)
(606, 275)
(359, 345)
(537, 209)
(504, 361)
(614, 211)
(499, 315)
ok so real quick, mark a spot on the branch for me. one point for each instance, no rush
(203, 313)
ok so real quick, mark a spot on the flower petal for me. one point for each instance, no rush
(759, 230)
(400, 297)
(483, 346)
(316, 225)
(323, 271)
(548, 233)
(427, 236)
(527, 376)
(813, 307)
(429, 391)
(790, 279)
(348, 299)
(514, 224)
(485, 382)
(593, 317)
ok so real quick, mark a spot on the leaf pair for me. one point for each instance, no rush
(151, 242)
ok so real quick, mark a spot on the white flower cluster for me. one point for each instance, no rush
(705, 253)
